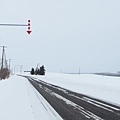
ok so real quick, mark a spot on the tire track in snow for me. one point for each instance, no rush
(87, 106)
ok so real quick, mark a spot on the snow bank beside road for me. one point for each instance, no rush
(14, 100)
(19, 100)
(102, 87)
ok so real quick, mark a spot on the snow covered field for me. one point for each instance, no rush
(19, 100)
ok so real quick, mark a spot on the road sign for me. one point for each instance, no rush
(29, 31)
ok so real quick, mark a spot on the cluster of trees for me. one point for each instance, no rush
(38, 71)
(4, 73)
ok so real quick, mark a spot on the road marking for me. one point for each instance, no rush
(86, 113)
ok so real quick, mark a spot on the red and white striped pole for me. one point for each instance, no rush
(29, 31)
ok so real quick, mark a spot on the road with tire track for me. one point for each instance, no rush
(74, 106)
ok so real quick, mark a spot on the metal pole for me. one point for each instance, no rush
(2, 61)
(79, 71)
(13, 25)
(20, 68)
(9, 65)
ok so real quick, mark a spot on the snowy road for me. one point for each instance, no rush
(74, 106)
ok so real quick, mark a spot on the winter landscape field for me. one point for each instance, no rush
(51, 38)
(21, 101)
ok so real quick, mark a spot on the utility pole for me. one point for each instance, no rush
(38, 65)
(61, 70)
(79, 71)
(21, 69)
(4, 62)
(9, 65)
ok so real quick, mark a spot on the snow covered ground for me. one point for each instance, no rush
(19, 100)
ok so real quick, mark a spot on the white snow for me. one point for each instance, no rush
(19, 100)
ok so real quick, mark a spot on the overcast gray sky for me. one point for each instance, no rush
(66, 34)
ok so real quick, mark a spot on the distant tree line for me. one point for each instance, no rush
(38, 71)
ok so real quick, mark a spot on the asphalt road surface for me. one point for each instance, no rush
(73, 106)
